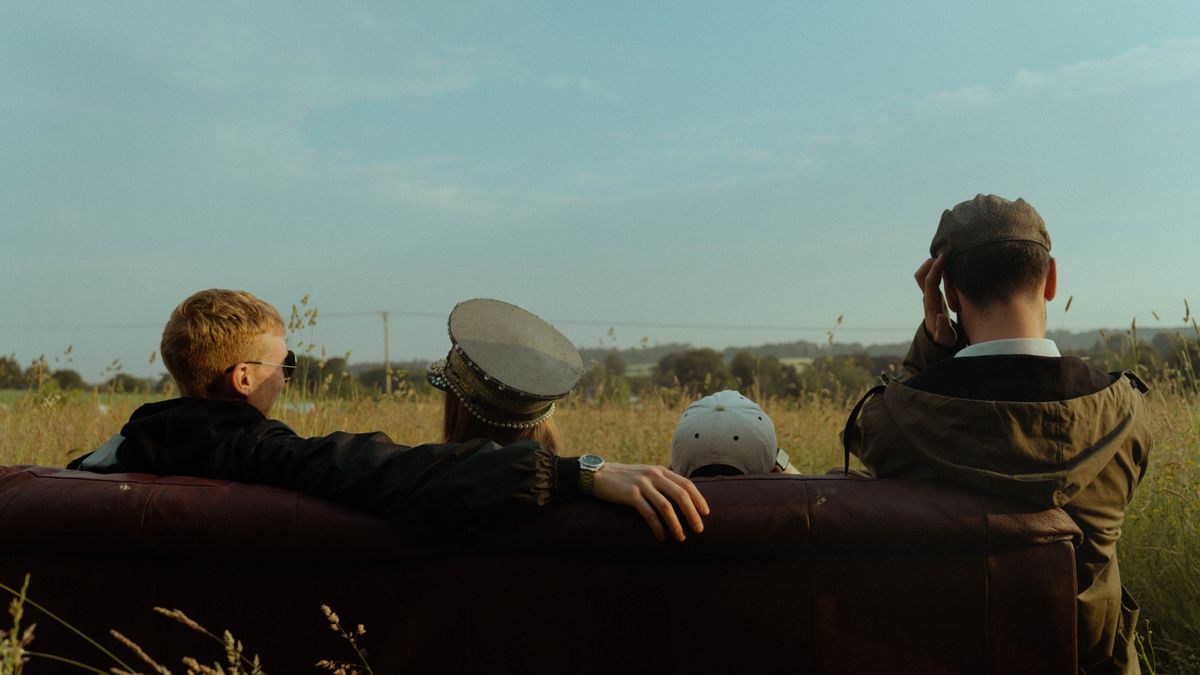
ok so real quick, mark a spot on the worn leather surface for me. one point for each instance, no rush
(792, 574)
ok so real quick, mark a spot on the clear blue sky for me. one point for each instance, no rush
(715, 163)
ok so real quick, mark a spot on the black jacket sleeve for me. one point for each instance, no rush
(459, 484)
(435, 484)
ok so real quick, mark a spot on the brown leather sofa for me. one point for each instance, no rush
(792, 574)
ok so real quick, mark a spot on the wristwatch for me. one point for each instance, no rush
(588, 466)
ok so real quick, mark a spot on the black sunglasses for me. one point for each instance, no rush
(288, 365)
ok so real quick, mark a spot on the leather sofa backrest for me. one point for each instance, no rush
(798, 574)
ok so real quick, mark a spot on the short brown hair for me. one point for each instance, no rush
(997, 272)
(460, 425)
(211, 331)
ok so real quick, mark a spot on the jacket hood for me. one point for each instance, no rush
(1045, 452)
(170, 436)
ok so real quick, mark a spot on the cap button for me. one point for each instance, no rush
(720, 406)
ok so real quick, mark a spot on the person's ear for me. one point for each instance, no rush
(241, 379)
(1051, 281)
(952, 298)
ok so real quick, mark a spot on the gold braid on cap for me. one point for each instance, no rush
(484, 397)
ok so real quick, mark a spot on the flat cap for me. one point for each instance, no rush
(987, 219)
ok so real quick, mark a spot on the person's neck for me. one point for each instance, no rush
(1005, 322)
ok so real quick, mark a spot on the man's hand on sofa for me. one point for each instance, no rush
(650, 490)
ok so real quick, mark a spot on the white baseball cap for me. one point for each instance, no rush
(729, 429)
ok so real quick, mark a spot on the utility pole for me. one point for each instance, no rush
(387, 360)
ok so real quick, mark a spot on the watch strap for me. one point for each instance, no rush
(566, 477)
(587, 481)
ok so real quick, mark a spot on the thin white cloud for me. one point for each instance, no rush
(230, 62)
(717, 143)
(580, 83)
(419, 187)
(592, 178)
(384, 29)
(1172, 61)
(291, 62)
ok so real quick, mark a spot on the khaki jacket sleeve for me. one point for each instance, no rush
(924, 352)
(921, 354)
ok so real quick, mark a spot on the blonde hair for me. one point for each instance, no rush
(459, 425)
(211, 331)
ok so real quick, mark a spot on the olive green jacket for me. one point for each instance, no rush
(1083, 448)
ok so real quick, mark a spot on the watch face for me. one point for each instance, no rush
(590, 462)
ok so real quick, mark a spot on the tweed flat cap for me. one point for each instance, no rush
(987, 219)
(506, 364)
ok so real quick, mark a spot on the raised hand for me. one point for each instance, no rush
(937, 312)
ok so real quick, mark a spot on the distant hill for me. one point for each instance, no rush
(782, 350)
(411, 366)
(1068, 341)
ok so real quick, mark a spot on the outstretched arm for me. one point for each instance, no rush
(459, 484)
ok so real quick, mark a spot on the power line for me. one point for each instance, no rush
(715, 326)
(111, 326)
(643, 324)
(377, 312)
(569, 322)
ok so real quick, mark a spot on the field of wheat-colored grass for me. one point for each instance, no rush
(1159, 550)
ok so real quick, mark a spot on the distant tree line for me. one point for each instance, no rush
(313, 376)
(698, 372)
(37, 375)
(1168, 358)
(1172, 358)
(839, 377)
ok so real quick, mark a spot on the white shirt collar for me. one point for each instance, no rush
(1022, 346)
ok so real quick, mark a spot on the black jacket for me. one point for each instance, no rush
(449, 485)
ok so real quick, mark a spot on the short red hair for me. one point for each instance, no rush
(211, 331)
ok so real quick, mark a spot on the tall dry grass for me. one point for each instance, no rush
(50, 430)
(1160, 542)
